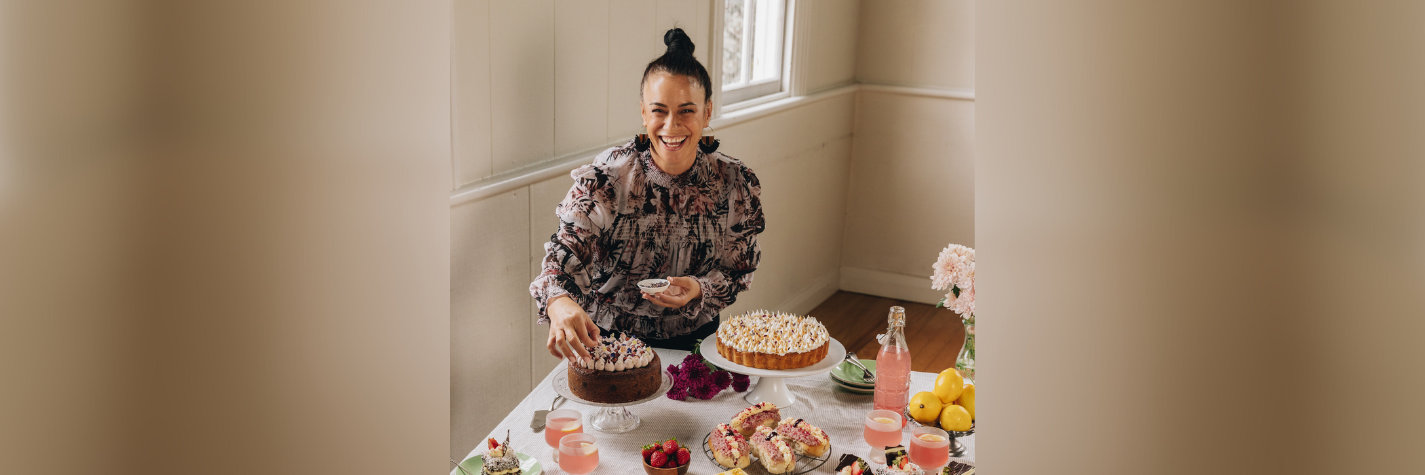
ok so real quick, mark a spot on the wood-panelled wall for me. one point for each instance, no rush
(536, 80)
(912, 186)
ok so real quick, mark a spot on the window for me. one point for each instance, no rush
(752, 49)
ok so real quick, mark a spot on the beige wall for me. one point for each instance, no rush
(912, 185)
(918, 43)
(536, 81)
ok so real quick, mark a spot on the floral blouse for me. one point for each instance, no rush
(625, 220)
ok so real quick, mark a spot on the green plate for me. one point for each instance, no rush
(853, 389)
(849, 375)
(528, 465)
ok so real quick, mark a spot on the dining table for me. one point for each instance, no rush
(819, 400)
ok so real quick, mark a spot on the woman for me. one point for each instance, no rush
(664, 205)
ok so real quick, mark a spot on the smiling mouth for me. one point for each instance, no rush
(672, 142)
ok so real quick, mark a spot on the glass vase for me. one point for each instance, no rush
(965, 363)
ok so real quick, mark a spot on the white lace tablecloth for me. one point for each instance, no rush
(839, 413)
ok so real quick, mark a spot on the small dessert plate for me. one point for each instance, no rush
(528, 465)
(653, 286)
(851, 376)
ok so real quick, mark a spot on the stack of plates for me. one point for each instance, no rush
(849, 377)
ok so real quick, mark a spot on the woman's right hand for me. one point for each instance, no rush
(570, 330)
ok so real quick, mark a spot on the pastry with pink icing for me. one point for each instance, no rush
(772, 450)
(809, 439)
(762, 414)
(729, 448)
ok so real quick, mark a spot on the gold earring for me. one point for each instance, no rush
(708, 144)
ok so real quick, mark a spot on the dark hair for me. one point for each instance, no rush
(679, 61)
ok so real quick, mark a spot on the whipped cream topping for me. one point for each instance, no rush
(813, 431)
(770, 437)
(618, 354)
(502, 458)
(731, 436)
(777, 333)
(741, 418)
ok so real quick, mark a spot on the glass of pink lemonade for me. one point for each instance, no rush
(929, 448)
(559, 424)
(883, 429)
(580, 453)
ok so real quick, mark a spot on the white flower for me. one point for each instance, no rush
(965, 303)
(956, 268)
(954, 265)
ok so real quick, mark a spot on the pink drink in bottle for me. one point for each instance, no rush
(893, 366)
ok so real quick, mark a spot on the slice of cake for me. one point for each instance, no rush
(762, 414)
(894, 455)
(901, 466)
(623, 369)
(958, 468)
(729, 448)
(809, 439)
(501, 459)
(772, 450)
(852, 465)
(772, 340)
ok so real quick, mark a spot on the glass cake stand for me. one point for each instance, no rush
(612, 418)
(770, 385)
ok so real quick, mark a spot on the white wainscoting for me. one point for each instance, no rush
(915, 288)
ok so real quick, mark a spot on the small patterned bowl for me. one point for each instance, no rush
(653, 286)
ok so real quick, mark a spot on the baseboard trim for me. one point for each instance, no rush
(806, 300)
(889, 284)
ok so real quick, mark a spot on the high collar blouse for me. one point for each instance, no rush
(625, 220)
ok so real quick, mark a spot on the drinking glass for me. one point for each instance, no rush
(929, 448)
(559, 424)
(883, 429)
(581, 453)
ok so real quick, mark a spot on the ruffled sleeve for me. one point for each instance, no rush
(585, 213)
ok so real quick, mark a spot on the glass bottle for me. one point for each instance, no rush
(893, 366)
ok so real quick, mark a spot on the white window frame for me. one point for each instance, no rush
(756, 93)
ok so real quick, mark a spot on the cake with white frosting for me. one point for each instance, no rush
(772, 340)
(622, 369)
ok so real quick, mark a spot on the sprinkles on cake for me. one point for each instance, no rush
(618, 354)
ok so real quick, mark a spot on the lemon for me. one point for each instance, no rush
(955, 418)
(967, 399)
(948, 385)
(924, 407)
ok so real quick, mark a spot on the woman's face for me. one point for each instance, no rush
(674, 114)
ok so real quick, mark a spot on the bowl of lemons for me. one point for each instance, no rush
(950, 405)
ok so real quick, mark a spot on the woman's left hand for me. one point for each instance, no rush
(681, 290)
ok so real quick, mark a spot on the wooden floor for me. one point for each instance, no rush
(934, 335)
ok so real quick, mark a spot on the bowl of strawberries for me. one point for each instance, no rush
(666, 458)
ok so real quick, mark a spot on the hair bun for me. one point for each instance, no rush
(678, 42)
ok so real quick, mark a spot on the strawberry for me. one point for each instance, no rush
(494, 443)
(671, 445)
(684, 456)
(658, 460)
(648, 450)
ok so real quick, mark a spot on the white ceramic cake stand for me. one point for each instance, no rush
(612, 418)
(770, 385)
